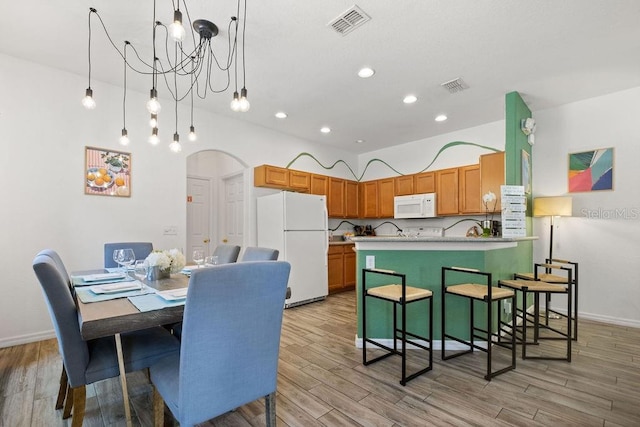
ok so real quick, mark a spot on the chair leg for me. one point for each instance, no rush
(270, 409)
(68, 403)
(79, 402)
(158, 409)
(63, 389)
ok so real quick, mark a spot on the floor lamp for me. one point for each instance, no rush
(551, 207)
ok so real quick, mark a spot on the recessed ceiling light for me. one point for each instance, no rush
(440, 118)
(359, 141)
(409, 99)
(325, 129)
(366, 72)
(281, 115)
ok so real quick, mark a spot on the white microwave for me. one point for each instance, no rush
(415, 206)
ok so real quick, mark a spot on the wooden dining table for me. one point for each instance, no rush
(116, 316)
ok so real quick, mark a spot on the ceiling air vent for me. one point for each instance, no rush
(455, 85)
(349, 20)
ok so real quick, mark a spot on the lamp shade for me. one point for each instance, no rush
(552, 206)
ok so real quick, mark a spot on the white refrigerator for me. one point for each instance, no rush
(296, 224)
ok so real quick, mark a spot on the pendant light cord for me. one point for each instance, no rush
(124, 96)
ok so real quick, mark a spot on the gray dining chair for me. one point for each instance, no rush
(86, 362)
(254, 253)
(230, 343)
(226, 253)
(141, 249)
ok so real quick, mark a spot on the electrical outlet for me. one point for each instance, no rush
(370, 261)
(507, 307)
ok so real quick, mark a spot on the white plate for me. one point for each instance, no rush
(174, 294)
(103, 276)
(116, 287)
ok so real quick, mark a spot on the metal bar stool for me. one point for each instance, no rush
(557, 279)
(400, 295)
(538, 287)
(487, 294)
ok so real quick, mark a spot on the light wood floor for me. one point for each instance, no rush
(322, 383)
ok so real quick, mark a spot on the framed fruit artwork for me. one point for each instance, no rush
(107, 172)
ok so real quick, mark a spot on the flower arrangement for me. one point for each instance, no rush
(487, 198)
(171, 261)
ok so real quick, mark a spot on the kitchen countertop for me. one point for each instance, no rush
(440, 243)
(340, 242)
(441, 239)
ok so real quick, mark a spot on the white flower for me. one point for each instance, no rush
(171, 259)
(488, 197)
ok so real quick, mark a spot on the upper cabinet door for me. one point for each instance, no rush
(351, 199)
(404, 185)
(425, 182)
(492, 175)
(470, 199)
(335, 200)
(385, 198)
(447, 191)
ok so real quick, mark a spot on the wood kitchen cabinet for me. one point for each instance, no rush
(319, 184)
(271, 176)
(341, 268)
(335, 262)
(299, 181)
(469, 197)
(424, 182)
(336, 198)
(386, 192)
(404, 185)
(351, 199)
(447, 187)
(492, 176)
(368, 195)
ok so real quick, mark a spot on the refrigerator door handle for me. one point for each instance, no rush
(326, 232)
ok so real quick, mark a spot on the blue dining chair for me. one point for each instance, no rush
(230, 343)
(86, 362)
(254, 253)
(226, 253)
(141, 249)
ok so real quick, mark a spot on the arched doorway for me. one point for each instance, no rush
(215, 201)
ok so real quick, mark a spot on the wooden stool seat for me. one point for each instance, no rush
(535, 286)
(478, 291)
(394, 292)
(549, 278)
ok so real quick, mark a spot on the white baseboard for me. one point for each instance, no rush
(437, 344)
(26, 339)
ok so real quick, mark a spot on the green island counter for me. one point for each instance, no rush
(421, 259)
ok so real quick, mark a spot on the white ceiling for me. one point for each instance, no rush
(552, 52)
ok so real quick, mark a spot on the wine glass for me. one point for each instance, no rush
(140, 269)
(198, 257)
(211, 260)
(124, 257)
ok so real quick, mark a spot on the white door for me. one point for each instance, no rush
(232, 216)
(198, 215)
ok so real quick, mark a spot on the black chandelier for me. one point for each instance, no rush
(194, 62)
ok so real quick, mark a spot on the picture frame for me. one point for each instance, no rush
(107, 172)
(591, 170)
(526, 171)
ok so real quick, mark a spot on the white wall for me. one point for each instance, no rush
(604, 233)
(44, 131)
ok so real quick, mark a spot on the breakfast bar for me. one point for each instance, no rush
(421, 259)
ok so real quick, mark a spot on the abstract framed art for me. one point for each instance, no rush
(591, 170)
(107, 172)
